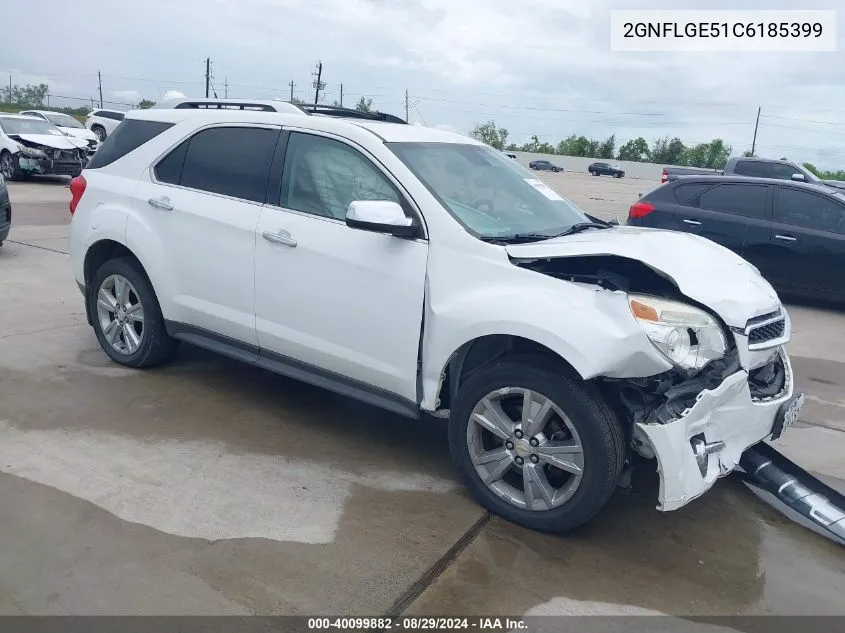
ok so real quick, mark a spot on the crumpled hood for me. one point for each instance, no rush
(56, 141)
(702, 269)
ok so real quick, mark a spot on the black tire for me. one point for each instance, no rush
(8, 162)
(156, 346)
(100, 132)
(601, 436)
(594, 173)
(617, 175)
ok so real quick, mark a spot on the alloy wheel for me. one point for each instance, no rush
(525, 449)
(120, 314)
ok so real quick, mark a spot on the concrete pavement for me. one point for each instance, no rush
(209, 487)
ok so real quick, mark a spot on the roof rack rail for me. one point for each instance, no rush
(350, 113)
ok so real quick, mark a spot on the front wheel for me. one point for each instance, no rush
(534, 446)
(7, 165)
(100, 132)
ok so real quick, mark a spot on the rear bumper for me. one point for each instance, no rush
(727, 421)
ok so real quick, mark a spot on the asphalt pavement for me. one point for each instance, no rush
(210, 487)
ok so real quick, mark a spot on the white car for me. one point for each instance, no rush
(31, 146)
(103, 122)
(426, 273)
(68, 125)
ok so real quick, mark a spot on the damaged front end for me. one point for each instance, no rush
(34, 158)
(698, 427)
(730, 385)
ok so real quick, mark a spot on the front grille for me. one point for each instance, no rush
(768, 332)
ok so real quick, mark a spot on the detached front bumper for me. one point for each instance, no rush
(708, 439)
(57, 166)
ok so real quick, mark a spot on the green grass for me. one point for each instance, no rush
(14, 109)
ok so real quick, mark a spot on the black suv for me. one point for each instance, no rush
(794, 232)
(603, 169)
(544, 165)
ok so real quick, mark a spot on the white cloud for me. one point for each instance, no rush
(173, 94)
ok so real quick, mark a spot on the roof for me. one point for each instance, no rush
(387, 132)
(811, 186)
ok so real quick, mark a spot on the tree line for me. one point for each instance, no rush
(667, 150)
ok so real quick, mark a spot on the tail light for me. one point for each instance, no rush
(77, 188)
(665, 176)
(640, 210)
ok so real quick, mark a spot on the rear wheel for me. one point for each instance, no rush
(126, 315)
(534, 446)
(100, 132)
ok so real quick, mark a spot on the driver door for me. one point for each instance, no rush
(339, 303)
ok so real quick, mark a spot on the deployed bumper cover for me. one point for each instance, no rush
(708, 439)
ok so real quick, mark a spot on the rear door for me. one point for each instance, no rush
(204, 199)
(723, 213)
(806, 246)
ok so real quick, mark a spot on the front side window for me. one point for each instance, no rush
(323, 176)
(231, 161)
(487, 193)
(808, 210)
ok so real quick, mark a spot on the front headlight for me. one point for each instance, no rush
(690, 338)
(31, 151)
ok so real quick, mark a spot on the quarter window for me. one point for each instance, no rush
(323, 176)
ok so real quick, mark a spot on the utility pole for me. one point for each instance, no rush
(100, 81)
(226, 88)
(207, 75)
(341, 95)
(318, 85)
(10, 89)
(292, 85)
(407, 107)
(754, 142)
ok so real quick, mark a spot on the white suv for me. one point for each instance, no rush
(103, 122)
(426, 273)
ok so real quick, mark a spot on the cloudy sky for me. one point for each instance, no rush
(534, 66)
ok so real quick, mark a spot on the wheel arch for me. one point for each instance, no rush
(98, 254)
(483, 350)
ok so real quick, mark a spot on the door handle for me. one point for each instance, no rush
(693, 222)
(282, 237)
(786, 238)
(162, 202)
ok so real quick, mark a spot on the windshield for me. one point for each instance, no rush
(64, 120)
(27, 125)
(491, 195)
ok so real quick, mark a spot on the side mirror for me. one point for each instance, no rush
(380, 216)
(799, 177)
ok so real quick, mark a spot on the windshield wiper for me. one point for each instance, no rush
(583, 226)
(536, 237)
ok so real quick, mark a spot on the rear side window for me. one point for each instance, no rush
(232, 161)
(760, 169)
(127, 136)
(747, 200)
(687, 191)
